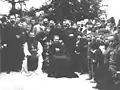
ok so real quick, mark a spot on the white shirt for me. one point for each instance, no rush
(37, 29)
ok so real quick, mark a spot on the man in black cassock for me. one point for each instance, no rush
(13, 52)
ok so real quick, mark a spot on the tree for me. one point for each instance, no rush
(72, 9)
(13, 3)
(31, 12)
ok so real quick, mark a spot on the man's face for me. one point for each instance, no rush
(78, 25)
(45, 21)
(102, 22)
(33, 22)
(56, 38)
(89, 26)
(59, 25)
(79, 37)
(48, 30)
(12, 18)
(51, 23)
(17, 20)
(64, 23)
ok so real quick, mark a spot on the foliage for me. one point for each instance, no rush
(31, 12)
(72, 9)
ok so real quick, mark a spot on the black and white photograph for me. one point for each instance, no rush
(59, 45)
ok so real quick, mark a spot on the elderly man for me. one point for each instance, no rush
(60, 60)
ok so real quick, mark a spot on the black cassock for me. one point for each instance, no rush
(0, 44)
(13, 54)
(60, 61)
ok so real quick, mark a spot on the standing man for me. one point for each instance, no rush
(33, 49)
(4, 66)
(83, 49)
(0, 42)
(13, 40)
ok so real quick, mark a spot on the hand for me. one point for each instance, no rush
(118, 72)
(77, 52)
(17, 36)
(57, 49)
(44, 38)
(5, 45)
(94, 61)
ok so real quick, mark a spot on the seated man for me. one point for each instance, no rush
(60, 60)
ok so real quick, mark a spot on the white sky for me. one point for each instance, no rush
(112, 10)
(5, 7)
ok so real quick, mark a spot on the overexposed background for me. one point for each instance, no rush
(112, 9)
(5, 6)
(16, 81)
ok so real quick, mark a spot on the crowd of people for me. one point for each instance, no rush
(62, 48)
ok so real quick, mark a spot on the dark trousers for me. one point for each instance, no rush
(95, 71)
(32, 63)
(90, 68)
(84, 62)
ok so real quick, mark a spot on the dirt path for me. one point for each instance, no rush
(18, 81)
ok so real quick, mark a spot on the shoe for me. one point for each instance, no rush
(58, 76)
(15, 70)
(72, 75)
(96, 87)
(8, 72)
(93, 82)
(38, 72)
(82, 72)
(50, 75)
(29, 73)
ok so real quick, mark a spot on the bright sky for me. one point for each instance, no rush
(5, 7)
(112, 10)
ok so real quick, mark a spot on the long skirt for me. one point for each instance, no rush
(62, 65)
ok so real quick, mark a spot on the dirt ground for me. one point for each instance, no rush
(19, 81)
